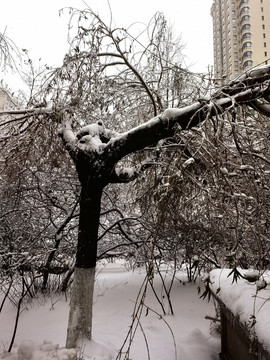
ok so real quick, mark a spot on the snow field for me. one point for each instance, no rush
(183, 336)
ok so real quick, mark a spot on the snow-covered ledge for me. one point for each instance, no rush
(245, 312)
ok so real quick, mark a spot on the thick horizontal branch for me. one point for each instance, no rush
(152, 131)
(163, 126)
(263, 108)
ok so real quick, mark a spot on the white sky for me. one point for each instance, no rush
(36, 25)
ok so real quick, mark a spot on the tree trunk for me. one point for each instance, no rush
(80, 314)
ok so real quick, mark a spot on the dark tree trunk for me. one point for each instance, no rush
(90, 201)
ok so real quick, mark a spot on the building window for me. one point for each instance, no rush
(264, 36)
(262, 18)
(246, 36)
(235, 55)
(265, 53)
(245, 27)
(236, 64)
(248, 63)
(235, 47)
(234, 29)
(247, 54)
(264, 44)
(246, 45)
(234, 37)
(263, 26)
(245, 18)
(233, 13)
(233, 5)
(261, 9)
(244, 10)
(234, 21)
(243, 2)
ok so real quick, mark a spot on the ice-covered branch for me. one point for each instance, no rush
(253, 85)
(263, 108)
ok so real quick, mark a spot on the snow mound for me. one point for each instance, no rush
(89, 137)
(196, 343)
(99, 351)
(28, 350)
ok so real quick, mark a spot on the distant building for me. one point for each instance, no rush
(241, 33)
(7, 102)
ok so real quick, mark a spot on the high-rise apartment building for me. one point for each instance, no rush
(241, 33)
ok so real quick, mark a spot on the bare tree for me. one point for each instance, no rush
(101, 156)
(9, 53)
(97, 152)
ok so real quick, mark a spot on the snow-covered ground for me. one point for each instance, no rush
(183, 336)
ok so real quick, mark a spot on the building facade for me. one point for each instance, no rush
(241, 35)
(7, 102)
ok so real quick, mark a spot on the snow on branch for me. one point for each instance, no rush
(252, 85)
(106, 148)
(66, 132)
(127, 174)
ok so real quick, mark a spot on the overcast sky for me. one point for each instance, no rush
(36, 25)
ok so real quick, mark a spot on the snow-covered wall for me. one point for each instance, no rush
(248, 299)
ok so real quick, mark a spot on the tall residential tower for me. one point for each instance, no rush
(241, 33)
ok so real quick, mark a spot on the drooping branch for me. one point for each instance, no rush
(104, 148)
(138, 75)
(256, 86)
